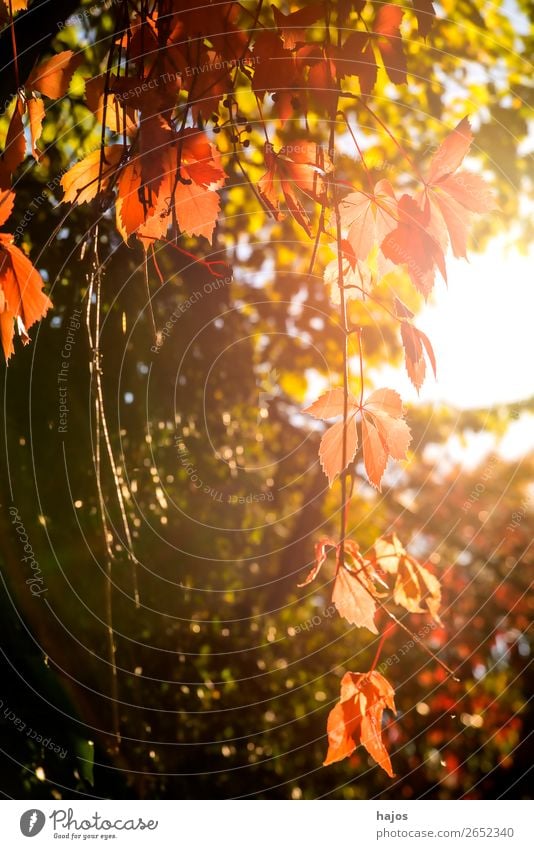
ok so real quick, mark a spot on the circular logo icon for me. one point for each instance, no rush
(32, 822)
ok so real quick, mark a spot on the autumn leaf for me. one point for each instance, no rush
(197, 209)
(357, 58)
(199, 159)
(36, 112)
(328, 406)
(357, 278)
(425, 14)
(22, 299)
(412, 244)
(453, 196)
(274, 65)
(415, 344)
(357, 718)
(321, 554)
(358, 54)
(52, 77)
(301, 165)
(354, 591)
(368, 218)
(130, 210)
(7, 199)
(292, 26)
(451, 153)
(384, 432)
(414, 583)
(389, 41)
(15, 144)
(80, 184)
(119, 116)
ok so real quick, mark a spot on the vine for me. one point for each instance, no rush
(182, 88)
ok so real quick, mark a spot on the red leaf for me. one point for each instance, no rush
(387, 27)
(293, 25)
(357, 58)
(199, 159)
(22, 296)
(451, 152)
(52, 77)
(357, 718)
(411, 244)
(457, 222)
(301, 165)
(415, 342)
(425, 14)
(274, 66)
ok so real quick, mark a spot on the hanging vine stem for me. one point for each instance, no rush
(93, 294)
(346, 336)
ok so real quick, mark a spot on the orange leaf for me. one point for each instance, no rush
(118, 117)
(131, 212)
(197, 209)
(384, 432)
(329, 405)
(469, 190)
(7, 199)
(52, 77)
(415, 342)
(200, 159)
(81, 182)
(369, 218)
(22, 296)
(453, 196)
(331, 448)
(413, 245)
(36, 111)
(353, 597)
(15, 147)
(414, 583)
(354, 592)
(301, 165)
(357, 718)
(451, 152)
